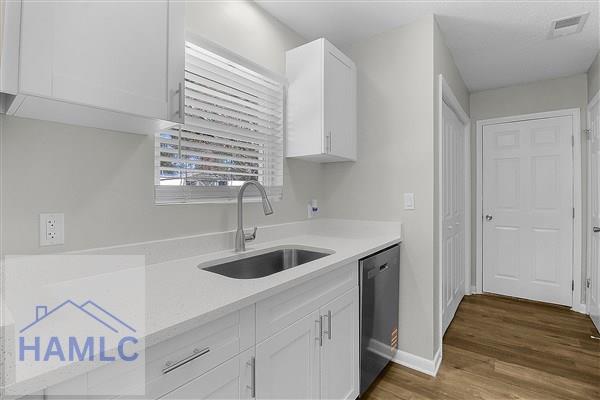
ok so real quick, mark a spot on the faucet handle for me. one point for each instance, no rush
(250, 236)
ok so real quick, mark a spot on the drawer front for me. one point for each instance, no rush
(283, 309)
(230, 380)
(176, 361)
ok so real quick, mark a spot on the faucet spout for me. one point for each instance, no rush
(240, 237)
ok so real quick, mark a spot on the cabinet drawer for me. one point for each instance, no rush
(196, 351)
(230, 380)
(281, 310)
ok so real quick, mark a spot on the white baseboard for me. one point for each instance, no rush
(474, 289)
(580, 308)
(429, 367)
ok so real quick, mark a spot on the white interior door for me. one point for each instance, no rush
(453, 210)
(593, 291)
(528, 209)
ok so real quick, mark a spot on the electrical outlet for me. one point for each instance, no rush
(52, 229)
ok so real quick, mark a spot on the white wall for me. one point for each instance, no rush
(395, 155)
(103, 181)
(547, 95)
(443, 63)
(594, 78)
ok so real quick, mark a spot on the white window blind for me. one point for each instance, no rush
(233, 131)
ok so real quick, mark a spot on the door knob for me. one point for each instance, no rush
(489, 217)
(596, 229)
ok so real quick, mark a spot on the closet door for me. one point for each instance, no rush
(454, 217)
(593, 274)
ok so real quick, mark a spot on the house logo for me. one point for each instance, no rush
(76, 332)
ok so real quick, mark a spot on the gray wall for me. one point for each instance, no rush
(103, 181)
(594, 78)
(443, 63)
(395, 155)
(548, 95)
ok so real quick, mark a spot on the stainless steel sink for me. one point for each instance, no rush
(265, 264)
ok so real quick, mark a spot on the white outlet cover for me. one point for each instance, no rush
(52, 229)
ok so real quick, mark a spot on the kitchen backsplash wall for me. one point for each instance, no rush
(103, 181)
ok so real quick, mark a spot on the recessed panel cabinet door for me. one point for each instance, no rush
(339, 354)
(287, 364)
(340, 105)
(106, 54)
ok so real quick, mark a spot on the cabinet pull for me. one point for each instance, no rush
(181, 93)
(329, 141)
(328, 331)
(252, 386)
(170, 366)
(320, 337)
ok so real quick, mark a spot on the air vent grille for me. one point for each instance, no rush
(567, 26)
(564, 23)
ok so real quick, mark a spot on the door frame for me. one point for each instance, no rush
(446, 95)
(588, 230)
(574, 113)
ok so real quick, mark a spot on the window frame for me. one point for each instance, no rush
(184, 194)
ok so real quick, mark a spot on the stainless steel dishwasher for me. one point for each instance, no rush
(379, 285)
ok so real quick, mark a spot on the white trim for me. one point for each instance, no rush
(593, 101)
(588, 236)
(577, 240)
(429, 367)
(446, 95)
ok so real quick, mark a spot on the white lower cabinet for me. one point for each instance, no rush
(287, 364)
(314, 358)
(302, 343)
(339, 354)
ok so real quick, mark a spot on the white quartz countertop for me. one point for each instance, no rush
(180, 296)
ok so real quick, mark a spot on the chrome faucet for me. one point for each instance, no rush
(240, 236)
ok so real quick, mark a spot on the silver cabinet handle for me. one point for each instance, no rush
(320, 337)
(489, 217)
(170, 366)
(181, 92)
(329, 141)
(252, 386)
(328, 331)
(596, 229)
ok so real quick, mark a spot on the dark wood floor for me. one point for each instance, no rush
(503, 348)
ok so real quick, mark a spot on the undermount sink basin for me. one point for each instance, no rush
(265, 264)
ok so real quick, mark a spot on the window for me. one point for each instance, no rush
(233, 131)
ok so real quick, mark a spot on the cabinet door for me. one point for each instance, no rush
(287, 364)
(339, 354)
(104, 54)
(230, 380)
(340, 105)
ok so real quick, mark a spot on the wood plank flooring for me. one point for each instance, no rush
(504, 348)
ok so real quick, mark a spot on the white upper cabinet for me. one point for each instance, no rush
(107, 64)
(321, 112)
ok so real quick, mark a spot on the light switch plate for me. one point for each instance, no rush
(409, 201)
(52, 229)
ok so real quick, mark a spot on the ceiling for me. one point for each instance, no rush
(494, 43)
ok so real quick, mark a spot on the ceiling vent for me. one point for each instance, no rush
(567, 26)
